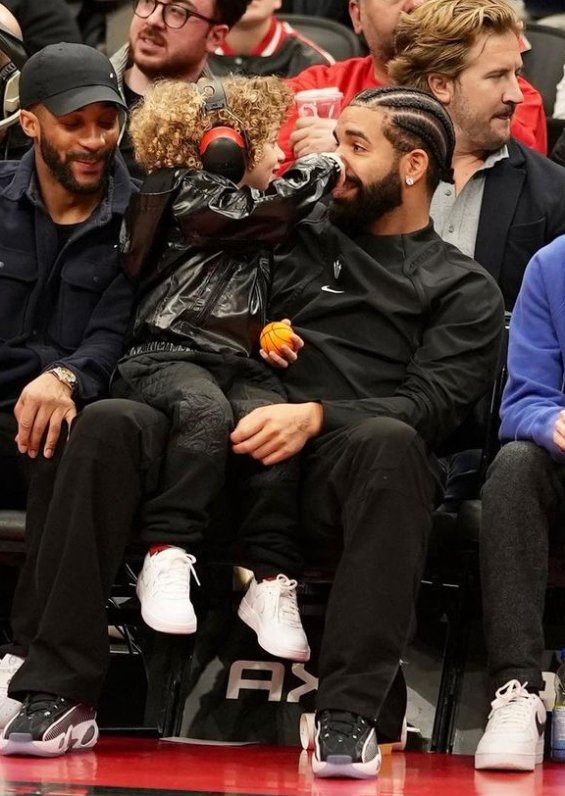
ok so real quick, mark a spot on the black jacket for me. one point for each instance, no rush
(44, 22)
(402, 326)
(523, 209)
(291, 58)
(68, 307)
(202, 248)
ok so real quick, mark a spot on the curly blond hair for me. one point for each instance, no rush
(167, 126)
(438, 36)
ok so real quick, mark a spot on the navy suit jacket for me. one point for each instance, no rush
(523, 209)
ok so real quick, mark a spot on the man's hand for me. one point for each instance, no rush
(559, 431)
(312, 136)
(43, 405)
(274, 433)
(287, 353)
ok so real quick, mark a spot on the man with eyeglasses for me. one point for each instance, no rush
(170, 40)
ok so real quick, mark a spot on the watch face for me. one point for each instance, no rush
(69, 376)
(66, 376)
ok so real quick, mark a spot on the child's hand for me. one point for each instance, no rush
(286, 354)
(340, 163)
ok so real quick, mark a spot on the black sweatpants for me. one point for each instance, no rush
(82, 511)
(368, 494)
(204, 396)
(14, 468)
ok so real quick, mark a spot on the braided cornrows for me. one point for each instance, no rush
(415, 119)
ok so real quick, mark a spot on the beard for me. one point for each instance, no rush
(381, 47)
(62, 171)
(477, 129)
(371, 202)
(167, 66)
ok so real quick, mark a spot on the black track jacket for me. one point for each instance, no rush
(402, 326)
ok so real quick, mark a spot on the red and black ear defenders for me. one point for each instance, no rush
(223, 150)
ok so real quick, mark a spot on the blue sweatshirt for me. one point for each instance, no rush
(534, 396)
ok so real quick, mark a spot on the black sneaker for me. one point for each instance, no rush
(345, 746)
(48, 725)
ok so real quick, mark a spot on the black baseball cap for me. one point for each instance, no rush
(65, 77)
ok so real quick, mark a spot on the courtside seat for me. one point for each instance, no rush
(543, 68)
(12, 550)
(553, 21)
(331, 36)
(543, 64)
(12, 530)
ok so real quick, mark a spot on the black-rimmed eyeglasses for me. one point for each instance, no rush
(174, 16)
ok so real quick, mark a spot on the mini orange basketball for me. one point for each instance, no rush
(275, 335)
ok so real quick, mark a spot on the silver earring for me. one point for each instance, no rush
(409, 181)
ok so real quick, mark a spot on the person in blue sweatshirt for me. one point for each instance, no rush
(523, 501)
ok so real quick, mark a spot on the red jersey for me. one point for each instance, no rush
(278, 32)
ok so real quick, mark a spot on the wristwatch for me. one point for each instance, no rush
(65, 376)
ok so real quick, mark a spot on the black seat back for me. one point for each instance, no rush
(543, 64)
(328, 34)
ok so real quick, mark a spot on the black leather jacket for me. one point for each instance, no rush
(201, 249)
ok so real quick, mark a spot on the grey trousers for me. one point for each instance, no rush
(522, 509)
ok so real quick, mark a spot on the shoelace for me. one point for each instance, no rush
(511, 707)
(173, 574)
(283, 587)
(342, 722)
(43, 703)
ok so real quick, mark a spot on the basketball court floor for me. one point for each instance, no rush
(122, 766)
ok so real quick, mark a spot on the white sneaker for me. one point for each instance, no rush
(514, 735)
(163, 588)
(9, 665)
(271, 610)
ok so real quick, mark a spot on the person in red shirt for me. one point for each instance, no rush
(377, 20)
(261, 44)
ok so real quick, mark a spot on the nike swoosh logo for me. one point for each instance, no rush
(328, 289)
(541, 726)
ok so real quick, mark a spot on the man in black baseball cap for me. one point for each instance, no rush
(64, 303)
(71, 107)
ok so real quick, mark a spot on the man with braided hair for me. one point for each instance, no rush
(401, 334)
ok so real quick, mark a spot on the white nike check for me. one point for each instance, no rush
(328, 289)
